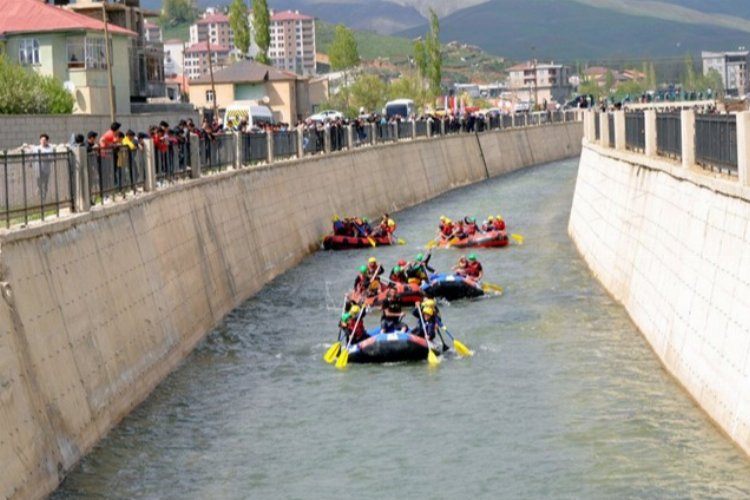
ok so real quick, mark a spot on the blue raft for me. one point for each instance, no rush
(389, 348)
(452, 287)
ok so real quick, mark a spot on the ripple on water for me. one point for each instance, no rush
(563, 399)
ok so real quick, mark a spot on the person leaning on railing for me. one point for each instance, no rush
(43, 154)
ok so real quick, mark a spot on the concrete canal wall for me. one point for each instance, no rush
(99, 307)
(672, 243)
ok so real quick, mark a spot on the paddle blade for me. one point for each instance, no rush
(431, 244)
(432, 360)
(343, 359)
(517, 238)
(332, 352)
(462, 350)
(372, 242)
(401, 241)
(492, 288)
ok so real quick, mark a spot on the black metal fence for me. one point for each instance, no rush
(218, 152)
(313, 141)
(611, 123)
(716, 142)
(597, 127)
(635, 131)
(404, 130)
(669, 135)
(114, 171)
(421, 128)
(254, 148)
(385, 132)
(507, 121)
(172, 159)
(338, 138)
(35, 185)
(362, 134)
(285, 144)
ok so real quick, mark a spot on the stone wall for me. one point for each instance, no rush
(99, 307)
(25, 129)
(673, 245)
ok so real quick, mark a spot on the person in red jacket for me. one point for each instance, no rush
(474, 268)
(355, 325)
(499, 223)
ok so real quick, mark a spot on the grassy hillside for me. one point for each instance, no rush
(371, 45)
(570, 31)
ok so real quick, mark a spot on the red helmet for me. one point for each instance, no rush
(402, 263)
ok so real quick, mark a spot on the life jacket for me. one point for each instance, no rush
(470, 229)
(447, 229)
(398, 277)
(473, 269)
(339, 228)
(499, 225)
(360, 331)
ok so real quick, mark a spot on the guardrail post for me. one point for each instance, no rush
(442, 127)
(326, 139)
(413, 130)
(649, 117)
(588, 126)
(373, 133)
(350, 136)
(195, 156)
(300, 141)
(743, 147)
(81, 200)
(604, 129)
(525, 119)
(149, 182)
(620, 139)
(269, 146)
(687, 121)
(238, 150)
(429, 128)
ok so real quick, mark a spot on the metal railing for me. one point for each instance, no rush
(338, 138)
(421, 128)
(635, 131)
(217, 152)
(716, 142)
(385, 132)
(285, 144)
(669, 135)
(404, 130)
(362, 134)
(35, 185)
(254, 148)
(113, 171)
(597, 127)
(172, 159)
(313, 141)
(611, 123)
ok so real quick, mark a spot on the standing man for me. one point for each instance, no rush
(43, 161)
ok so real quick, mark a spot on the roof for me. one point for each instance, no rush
(530, 66)
(173, 41)
(247, 71)
(289, 15)
(35, 16)
(213, 19)
(203, 47)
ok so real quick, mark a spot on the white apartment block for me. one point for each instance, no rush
(292, 46)
(196, 59)
(734, 68)
(213, 27)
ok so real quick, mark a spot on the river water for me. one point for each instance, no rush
(564, 397)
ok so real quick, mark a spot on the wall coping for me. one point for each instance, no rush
(717, 182)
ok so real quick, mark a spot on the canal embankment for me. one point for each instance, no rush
(663, 221)
(100, 306)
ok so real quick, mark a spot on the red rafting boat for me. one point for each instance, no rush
(337, 242)
(490, 239)
(407, 294)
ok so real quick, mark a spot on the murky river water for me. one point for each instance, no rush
(564, 398)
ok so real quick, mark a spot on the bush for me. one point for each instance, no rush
(24, 92)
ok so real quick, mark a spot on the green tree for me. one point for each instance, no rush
(240, 25)
(368, 92)
(688, 76)
(343, 52)
(589, 86)
(630, 89)
(651, 79)
(261, 30)
(26, 92)
(434, 55)
(609, 82)
(177, 12)
(409, 87)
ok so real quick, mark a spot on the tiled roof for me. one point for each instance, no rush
(35, 16)
(247, 71)
(289, 15)
(203, 47)
(213, 19)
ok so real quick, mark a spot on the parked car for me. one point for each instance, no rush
(326, 115)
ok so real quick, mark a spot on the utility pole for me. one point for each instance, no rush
(211, 72)
(108, 53)
(536, 76)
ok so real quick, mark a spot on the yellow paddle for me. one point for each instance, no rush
(491, 287)
(333, 351)
(431, 244)
(432, 360)
(401, 241)
(517, 238)
(461, 349)
(344, 356)
(372, 242)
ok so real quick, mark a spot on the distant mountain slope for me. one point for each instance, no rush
(374, 15)
(740, 8)
(569, 31)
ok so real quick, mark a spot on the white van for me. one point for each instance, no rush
(249, 111)
(401, 107)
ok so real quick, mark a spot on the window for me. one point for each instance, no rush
(210, 96)
(28, 52)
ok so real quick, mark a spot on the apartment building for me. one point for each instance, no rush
(196, 59)
(213, 27)
(538, 82)
(734, 68)
(292, 46)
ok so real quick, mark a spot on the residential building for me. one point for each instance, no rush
(213, 27)
(290, 97)
(292, 46)
(598, 75)
(146, 56)
(538, 82)
(152, 31)
(734, 68)
(174, 58)
(196, 59)
(71, 47)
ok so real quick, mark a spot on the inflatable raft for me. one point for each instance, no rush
(337, 242)
(452, 287)
(491, 239)
(389, 348)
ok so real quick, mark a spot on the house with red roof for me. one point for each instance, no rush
(56, 42)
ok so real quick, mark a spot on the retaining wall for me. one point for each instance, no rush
(673, 245)
(25, 129)
(98, 308)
